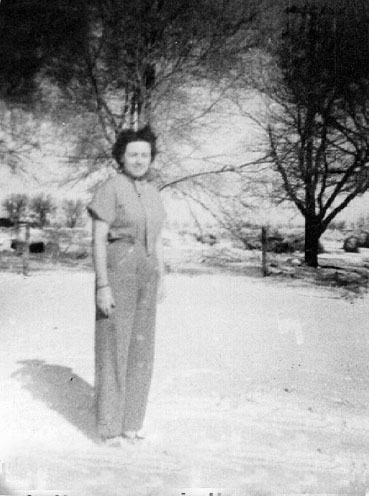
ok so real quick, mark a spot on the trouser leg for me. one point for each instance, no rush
(141, 355)
(112, 345)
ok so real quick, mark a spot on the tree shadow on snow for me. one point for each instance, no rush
(61, 390)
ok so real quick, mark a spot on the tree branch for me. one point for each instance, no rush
(223, 170)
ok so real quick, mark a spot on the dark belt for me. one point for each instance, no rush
(125, 238)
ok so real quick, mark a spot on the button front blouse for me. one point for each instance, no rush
(132, 208)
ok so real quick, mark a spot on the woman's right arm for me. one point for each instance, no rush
(104, 296)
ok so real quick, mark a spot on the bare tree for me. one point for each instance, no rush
(318, 126)
(41, 206)
(104, 65)
(16, 206)
(73, 212)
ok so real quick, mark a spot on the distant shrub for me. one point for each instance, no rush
(351, 244)
(339, 225)
(363, 238)
(290, 245)
(355, 241)
(362, 223)
(278, 242)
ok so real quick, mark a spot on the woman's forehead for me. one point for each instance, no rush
(138, 146)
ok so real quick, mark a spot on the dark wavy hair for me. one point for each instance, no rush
(128, 136)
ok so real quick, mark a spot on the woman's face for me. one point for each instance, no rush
(137, 158)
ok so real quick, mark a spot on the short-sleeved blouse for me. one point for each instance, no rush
(132, 208)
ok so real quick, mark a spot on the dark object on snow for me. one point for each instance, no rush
(281, 246)
(19, 246)
(279, 243)
(289, 245)
(351, 244)
(38, 247)
(5, 222)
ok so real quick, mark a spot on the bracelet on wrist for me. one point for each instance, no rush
(103, 286)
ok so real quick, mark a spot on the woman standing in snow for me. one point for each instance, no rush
(128, 216)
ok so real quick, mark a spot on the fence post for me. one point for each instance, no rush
(264, 247)
(25, 254)
(17, 235)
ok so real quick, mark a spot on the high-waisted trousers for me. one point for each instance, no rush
(124, 342)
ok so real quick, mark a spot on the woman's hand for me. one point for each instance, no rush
(105, 300)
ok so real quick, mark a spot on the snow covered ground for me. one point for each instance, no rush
(260, 387)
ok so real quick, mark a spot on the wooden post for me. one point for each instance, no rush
(17, 233)
(264, 246)
(25, 254)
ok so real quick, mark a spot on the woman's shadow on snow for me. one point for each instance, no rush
(61, 390)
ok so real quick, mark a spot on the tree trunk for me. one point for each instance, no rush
(312, 236)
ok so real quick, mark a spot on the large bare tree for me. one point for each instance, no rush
(103, 65)
(317, 84)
